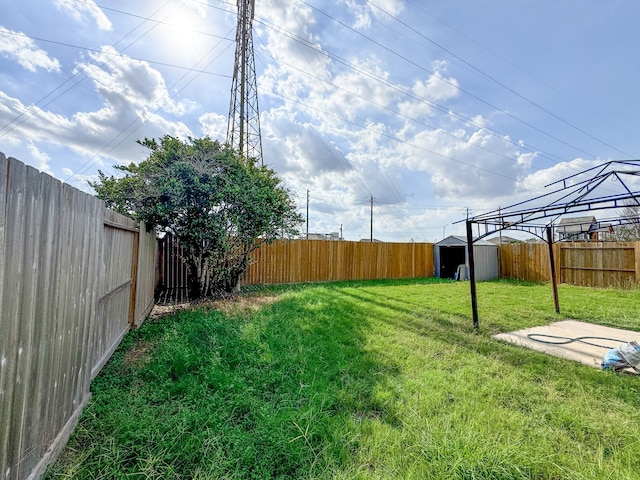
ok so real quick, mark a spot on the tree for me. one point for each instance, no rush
(218, 204)
(629, 228)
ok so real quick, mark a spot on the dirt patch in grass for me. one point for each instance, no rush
(234, 305)
(164, 310)
(243, 304)
(139, 354)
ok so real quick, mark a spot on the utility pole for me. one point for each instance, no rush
(371, 218)
(307, 214)
(243, 129)
(340, 232)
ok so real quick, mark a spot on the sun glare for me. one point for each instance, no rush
(183, 36)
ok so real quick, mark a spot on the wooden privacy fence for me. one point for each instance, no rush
(590, 264)
(299, 261)
(525, 261)
(74, 278)
(599, 264)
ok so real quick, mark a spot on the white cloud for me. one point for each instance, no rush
(196, 5)
(80, 180)
(361, 13)
(435, 89)
(291, 146)
(393, 7)
(41, 158)
(45, 124)
(536, 182)
(367, 88)
(364, 11)
(214, 125)
(135, 82)
(136, 104)
(19, 47)
(78, 10)
(467, 165)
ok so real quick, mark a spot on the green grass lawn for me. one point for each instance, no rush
(369, 380)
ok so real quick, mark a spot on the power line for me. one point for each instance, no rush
(340, 161)
(145, 19)
(493, 79)
(402, 141)
(403, 91)
(103, 152)
(395, 112)
(420, 7)
(122, 55)
(29, 111)
(411, 62)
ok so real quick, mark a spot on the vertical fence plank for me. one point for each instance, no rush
(24, 381)
(38, 416)
(14, 232)
(134, 279)
(636, 254)
(6, 322)
(145, 275)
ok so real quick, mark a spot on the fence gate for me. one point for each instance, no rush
(173, 279)
(117, 278)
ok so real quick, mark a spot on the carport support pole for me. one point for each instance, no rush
(472, 277)
(554, 284)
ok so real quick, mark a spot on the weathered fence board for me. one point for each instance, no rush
(14, 233)
(112, 313)
(145, 276)
(56, 258)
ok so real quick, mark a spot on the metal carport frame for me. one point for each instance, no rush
(577, 193)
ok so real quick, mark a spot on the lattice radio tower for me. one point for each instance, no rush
(243, 129)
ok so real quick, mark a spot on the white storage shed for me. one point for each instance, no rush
(451, 253)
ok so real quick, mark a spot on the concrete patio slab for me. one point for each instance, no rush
(589, 353)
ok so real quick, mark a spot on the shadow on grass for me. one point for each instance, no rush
(261, 395)
(451, 330)
(293, 389)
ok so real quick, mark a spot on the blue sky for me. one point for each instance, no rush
(432, 107)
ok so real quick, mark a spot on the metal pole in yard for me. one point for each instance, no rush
(371, 218)
(307, 214)
(472, 277)
(554, 284)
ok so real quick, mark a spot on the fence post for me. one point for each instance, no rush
(637, 261)
(134, 277)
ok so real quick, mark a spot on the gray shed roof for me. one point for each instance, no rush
(576, 224)
(458, 240)
(503, 239)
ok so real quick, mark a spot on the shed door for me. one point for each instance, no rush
(450, 258)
